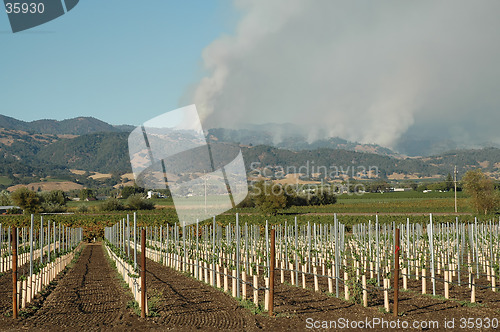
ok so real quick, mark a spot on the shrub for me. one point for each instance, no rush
(137, 202)
(57, 197)
(111, 204)
(26, 199)
(131, 190)
(82, 208)
(86, 193)
(5, 198)
(247, 202)
(268, 198)
(50, 207)
(482, 191)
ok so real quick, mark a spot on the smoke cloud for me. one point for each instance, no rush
(366, 71)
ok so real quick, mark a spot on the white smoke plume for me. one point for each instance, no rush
(363, 70)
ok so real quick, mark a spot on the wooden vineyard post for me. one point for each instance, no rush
(143, 273)
(255, 290)
(346, 288)
(271, 272)
(135, 240)
(405, 279)
(218, 275)
(234, 283)
(282, 264)
(386, 295)
(365, 292)
(446, 284)
(304, 270)
(315, 273)
(226, 286)
(473, 290)
(396, 273)
(424, 281)
(330, 281)
(493, 280)
(244, 285)
(14, 272)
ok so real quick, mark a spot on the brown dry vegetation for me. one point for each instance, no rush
(48, 186)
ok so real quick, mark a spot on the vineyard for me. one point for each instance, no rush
(360, 263)
(274, 269)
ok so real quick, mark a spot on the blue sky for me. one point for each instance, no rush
(119, 61)
(372, 72)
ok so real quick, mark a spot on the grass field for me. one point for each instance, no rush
(5, 181)
(399, 202)
(54, 180)
(402, 195)
(403, 202)
(76, 204)
(351, 209)
(90, 204)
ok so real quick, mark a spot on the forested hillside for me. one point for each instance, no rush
(102, 152)
(35, 150)
(76, 126)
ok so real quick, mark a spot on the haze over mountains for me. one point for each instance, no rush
(50, 148)
(285, 136)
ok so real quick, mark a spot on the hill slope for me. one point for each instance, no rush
(76, 126)
(48, 147)
(290, 140)
(101, 152)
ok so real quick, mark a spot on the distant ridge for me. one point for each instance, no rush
(42, 148)
(75, 126)
(290, 139)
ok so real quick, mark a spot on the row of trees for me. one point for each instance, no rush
(446, 185)
(382, 185)
(55, 201)
(133, 202)
(481, 189)
(33, 202)
(269, 198)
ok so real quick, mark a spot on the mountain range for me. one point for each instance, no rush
(75, 126)
(50, 148)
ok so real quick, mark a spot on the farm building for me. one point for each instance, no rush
(5, 209)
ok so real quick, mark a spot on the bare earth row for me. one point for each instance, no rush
(89, 296)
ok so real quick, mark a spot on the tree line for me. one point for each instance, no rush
(269, 198)
(54, 201)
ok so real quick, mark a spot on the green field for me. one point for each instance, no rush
(402, 195)
(5, 181)
(393, 203)
(351, 209)
(89, 204)
(401, 202)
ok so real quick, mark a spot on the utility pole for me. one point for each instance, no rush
(455, 181)
(205, 193)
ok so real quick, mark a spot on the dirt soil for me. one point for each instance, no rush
(188, 304)
(90, 297)
(414, 306)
